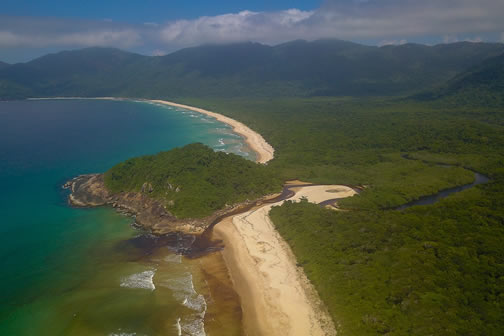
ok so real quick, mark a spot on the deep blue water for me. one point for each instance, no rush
(61, 269)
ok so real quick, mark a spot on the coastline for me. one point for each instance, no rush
(253, 139)
(264, 151)
(277, 297)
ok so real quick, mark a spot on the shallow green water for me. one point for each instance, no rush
(69, 271)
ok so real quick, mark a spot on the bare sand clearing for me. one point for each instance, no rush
(255, 141)
(276, 296)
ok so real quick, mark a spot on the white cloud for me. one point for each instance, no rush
(476, 39)
(388, 21)
(382, 20)
(454, 39)
(120, 38)
(242, 26)
(392, 42)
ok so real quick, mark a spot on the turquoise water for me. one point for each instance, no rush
(68, 271)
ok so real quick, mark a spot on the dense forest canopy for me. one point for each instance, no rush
(422, 271)
(297, 68)
(481, 85)
(193, 181)
(427, 270)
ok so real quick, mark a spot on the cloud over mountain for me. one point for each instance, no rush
(378, 20)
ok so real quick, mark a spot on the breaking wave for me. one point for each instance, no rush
(184, 292)
(142, 280)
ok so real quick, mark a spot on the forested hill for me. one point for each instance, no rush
(194, 181)
(481, 85)
(297, 68)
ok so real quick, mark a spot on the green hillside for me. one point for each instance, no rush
(297, 68)
(193, 181)
(481, 85)
(428, 270)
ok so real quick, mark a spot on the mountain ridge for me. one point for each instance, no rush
(296, 68)
(482, 84)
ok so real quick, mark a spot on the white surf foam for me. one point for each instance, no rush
(194, 327)
(142, 280)
(179, 327)
(123, 334)
(196, 303)
(184, 292)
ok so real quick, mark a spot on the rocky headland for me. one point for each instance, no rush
(149, 213)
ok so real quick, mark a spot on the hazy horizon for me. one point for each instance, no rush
(30, 29)
(241, 42)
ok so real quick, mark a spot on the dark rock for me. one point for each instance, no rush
(149, 213)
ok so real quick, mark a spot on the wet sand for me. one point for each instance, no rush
(255, 141)
(276, 296)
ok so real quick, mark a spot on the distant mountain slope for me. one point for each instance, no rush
(481, 84)
(91, 71)
(323, 67)
(3, 65)
(489, 75)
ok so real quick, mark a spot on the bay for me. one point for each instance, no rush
(68, 271)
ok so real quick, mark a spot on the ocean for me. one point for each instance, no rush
(69, 271)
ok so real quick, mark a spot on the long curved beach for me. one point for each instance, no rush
(254, 140)
(276, 296)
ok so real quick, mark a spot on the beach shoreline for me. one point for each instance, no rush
(263, 150)
(254, 140)
(276, 295)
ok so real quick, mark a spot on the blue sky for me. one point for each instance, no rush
(29, 29)
(146, 10)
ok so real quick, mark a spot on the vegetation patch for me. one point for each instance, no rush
(193, 181)
(428, 270)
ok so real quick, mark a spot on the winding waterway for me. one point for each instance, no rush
(432, 199)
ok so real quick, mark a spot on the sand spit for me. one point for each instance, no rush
(277, 298)
(255, 141)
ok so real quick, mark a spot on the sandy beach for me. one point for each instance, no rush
(276, 296)
(255, 141)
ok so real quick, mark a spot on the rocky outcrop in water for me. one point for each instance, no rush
(90, 191)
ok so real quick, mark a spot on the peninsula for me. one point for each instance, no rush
(193, 189)
(330, 122)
